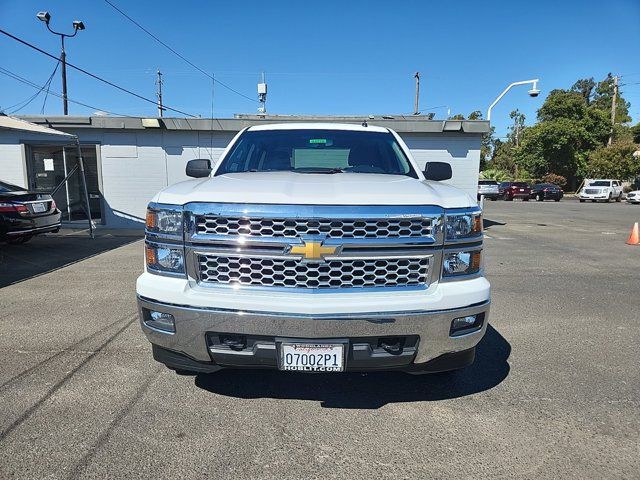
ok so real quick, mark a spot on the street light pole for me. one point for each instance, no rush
(77, 25)
(534, 92)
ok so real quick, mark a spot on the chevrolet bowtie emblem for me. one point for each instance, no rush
(313, 250)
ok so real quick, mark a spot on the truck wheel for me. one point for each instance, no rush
(619, 199)
(557, 200)
(609, 199)
(582, 201)
(539, 198)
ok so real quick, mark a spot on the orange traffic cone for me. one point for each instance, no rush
(634, 238)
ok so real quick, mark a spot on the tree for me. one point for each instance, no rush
(602, 100)
(616, 161)
(635, 131)
(585, 88)
(457, 116)
(518, 126)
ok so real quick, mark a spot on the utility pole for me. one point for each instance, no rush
(416, 103)
(614, 101)
(159, 93)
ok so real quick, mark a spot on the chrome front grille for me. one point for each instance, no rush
(333, 273)
(313, 247)
(592, 191)
(328, 227)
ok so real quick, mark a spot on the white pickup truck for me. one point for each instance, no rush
(314, 247)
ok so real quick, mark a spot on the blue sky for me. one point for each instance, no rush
(329, 57)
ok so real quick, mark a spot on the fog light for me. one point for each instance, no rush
(160, 321)
(467, 324)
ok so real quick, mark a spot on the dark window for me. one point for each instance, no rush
(487, 182)
(600, 183)
(316, 151)
(520, 184)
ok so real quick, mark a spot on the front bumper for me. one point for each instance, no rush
(196, 329)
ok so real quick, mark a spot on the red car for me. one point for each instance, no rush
(511, 190)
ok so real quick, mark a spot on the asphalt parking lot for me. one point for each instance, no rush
(554, 392)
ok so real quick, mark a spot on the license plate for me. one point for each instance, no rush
(39, 207)
(522, 189)
(312, 357)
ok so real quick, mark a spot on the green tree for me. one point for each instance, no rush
(602, 100)
(635, 131)
(616, 161)
(585, 88)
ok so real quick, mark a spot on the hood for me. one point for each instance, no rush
(315, 189)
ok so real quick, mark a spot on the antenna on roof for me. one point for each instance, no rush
(262, 96)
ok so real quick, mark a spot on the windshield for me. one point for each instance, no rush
(600, 183)
(487, 182)
(520, 184)
(316, 151)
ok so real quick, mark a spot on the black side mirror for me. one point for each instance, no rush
(199, 168)
(437, 171)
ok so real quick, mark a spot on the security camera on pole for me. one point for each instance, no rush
(534, 92)
(77, 25)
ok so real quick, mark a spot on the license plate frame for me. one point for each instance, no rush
(39, 207)
(322, 355)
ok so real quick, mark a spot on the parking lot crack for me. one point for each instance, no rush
(58, 385)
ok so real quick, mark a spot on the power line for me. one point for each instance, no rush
(46, 94)
(93, 75)
(31, 98)
(177, 53)
(17, 77)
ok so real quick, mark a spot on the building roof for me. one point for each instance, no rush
(12, 123)
(401, 124)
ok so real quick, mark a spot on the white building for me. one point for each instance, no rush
(128, 159)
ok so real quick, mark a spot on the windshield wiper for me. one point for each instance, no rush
(319, 170)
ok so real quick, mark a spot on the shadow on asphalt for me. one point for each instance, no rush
(370, 390)
(487, 224)
(47, 253)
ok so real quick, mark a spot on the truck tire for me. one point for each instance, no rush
(539, 198)
(619, 199)
(609, 199)
(582, 201)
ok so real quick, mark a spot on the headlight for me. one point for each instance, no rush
(464, 226)
(461, 263)
(164, 259)
(164, 221)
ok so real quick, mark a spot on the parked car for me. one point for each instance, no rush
(488, 188)
(510, 190)
(633, 197)
(604, 190)
(24, 214)
(235, 259)
(546, 191)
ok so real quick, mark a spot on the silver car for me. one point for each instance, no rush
(488, 188)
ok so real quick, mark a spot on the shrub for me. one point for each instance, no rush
(558, 180)
(495, 174)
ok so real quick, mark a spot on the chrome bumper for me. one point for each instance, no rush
(193, 324)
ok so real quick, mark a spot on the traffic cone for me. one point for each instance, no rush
(634, 238)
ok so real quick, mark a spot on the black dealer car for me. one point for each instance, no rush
(546, 191)
(24, 214)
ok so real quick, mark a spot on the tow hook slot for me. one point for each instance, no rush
(391, 345)
(234, 342)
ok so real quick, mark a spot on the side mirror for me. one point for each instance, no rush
(437, 171)
(199, 168)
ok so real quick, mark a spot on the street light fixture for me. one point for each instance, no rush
(77, 25)
(534, 92)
